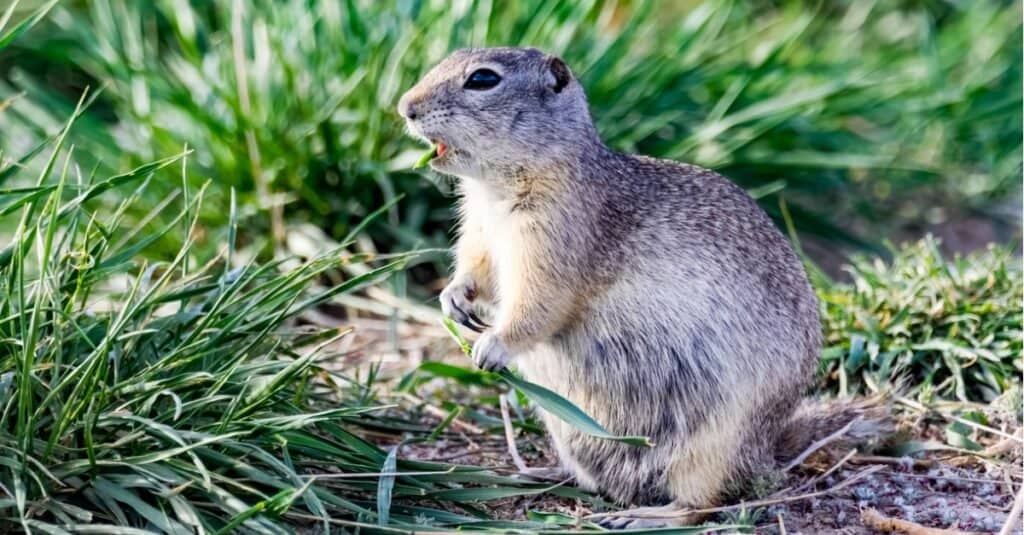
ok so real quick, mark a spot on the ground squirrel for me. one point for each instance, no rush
(655, 295)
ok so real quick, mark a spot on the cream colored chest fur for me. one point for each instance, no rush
(504, 232)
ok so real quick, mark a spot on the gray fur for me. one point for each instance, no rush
(655, 295)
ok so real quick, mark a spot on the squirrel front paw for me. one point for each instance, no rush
(457, 303)
(490, 353)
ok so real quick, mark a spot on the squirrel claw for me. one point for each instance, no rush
(478, 321)
(456, 303)
(490, 353)
(467, 319)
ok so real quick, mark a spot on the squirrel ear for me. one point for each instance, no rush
(560, 74)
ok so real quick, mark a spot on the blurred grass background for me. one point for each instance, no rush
(875, 118)
(172, 250)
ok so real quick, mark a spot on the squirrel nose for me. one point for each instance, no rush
(406, 108)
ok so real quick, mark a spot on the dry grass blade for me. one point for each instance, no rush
(884, 524)
(510, 437)
(1014, 519)
(756, 503)
(818, 445)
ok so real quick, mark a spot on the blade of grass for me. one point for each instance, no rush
(551, 401)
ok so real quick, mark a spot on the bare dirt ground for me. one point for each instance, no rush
(846, 492)
(824, 495)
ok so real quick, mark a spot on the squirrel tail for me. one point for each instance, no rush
(863, 423)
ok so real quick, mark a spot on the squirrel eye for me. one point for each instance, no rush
(482, 79)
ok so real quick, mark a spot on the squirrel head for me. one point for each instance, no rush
(499, 113)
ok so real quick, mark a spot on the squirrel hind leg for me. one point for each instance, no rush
(673, 515)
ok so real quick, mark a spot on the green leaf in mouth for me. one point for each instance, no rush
(427, 156)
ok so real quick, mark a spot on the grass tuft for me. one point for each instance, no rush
(949, 327)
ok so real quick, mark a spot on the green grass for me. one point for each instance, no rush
(176, 396)
(861, 115)
(950, 328)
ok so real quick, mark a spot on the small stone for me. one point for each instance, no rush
(864, 494)
(906, 464)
